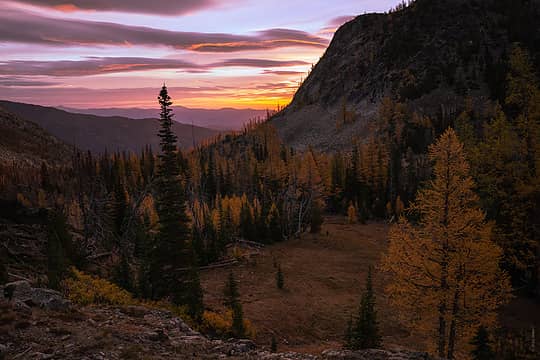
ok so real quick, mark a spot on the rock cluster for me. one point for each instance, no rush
(22, 295)
(38, 323)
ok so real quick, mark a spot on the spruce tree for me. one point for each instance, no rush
(280, 279)
(238, 329)
(232, 301)
(316, 218)
(173, 246)
(3, 271)
(273, 344)
(193, 297)
(365, 333)
(58, 249)
(482, 348)
(230, 292)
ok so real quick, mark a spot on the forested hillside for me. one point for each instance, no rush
(421, 126)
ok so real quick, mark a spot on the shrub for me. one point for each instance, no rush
(221, 325)
(84, 289)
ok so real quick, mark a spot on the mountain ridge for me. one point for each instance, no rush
(99, 134)
(223, 119)
(419, 55)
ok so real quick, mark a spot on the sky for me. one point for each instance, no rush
(210, 53)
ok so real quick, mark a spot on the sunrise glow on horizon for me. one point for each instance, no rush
(210, 53)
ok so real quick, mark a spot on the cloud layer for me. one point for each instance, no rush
(22, 27)
(107, 65)
(160, 7)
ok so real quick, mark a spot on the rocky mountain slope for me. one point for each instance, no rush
(96, 133)
(38, 323)
(431, 54)
(24, 142)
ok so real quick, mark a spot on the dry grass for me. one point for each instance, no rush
(324, 277)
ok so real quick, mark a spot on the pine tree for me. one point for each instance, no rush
(365, 333)
(230, 292)
(173, 246)
(482, 348)
(274, 224)
(3, 270)
(280, 279)
(349, 334)
(122, 274)
(316, 218)
(238, 328)
(232, 301)
(192, 297)
(273, 344)
(58, 249)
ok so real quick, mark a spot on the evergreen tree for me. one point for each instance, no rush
(122, 274)
(192, 297)
(173, 246)
(273, 344)
(58, 249)
(232, 301)
(316, 218)
(238, 329)
(280, 279)
(230, 292)
(349, 334)
(365, 333)
(482, 347)
(3, 271)
(274, 224)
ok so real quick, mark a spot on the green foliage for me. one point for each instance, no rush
(193, 295)
(280, 279)
(316, 218)
(232, 301)
(364, 334)
(482, 347)
(3, 272)
(238, 329)
(59, 247)
(273, 344)
(230, 292)
(173, 247)
(122, 274)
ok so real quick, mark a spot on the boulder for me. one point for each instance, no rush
(23, 295)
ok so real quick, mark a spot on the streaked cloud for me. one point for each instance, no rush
(160, 7)
(97, 66)
(26, 27)
(15, 81)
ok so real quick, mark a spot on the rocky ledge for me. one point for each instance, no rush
(38, 323)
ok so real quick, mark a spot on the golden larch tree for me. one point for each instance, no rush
(445, 274)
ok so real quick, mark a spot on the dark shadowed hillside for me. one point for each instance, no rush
(96, 133)
(23, 141)
(430, 55)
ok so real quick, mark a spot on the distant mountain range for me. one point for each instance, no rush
(219, 119)
(100, 133)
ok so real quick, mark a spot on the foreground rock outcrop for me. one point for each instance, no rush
(39, 324)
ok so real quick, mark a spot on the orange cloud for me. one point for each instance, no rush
(66, 8)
